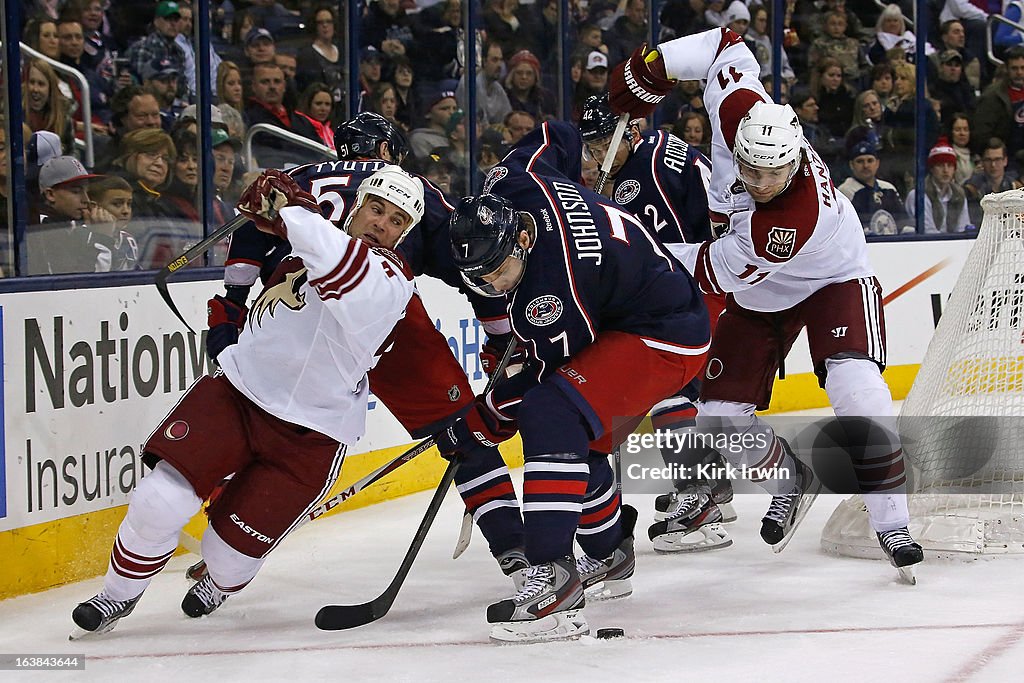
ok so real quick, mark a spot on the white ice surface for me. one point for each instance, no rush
(739, 614)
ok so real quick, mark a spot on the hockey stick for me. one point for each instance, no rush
(186, 258)
(609, 156)
(339, 617)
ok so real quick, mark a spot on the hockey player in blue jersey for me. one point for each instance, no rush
(612, 324)
(366, 144)
(664, 183)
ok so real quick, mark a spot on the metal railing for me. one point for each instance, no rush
(86, 99)
(994, 19)
(289, 136)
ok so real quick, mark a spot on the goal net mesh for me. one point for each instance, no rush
(961, 422)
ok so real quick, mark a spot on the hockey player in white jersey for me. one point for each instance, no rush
(292, 397)
(793, 256)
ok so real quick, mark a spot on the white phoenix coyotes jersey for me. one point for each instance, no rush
(779, 252)
(316, 329)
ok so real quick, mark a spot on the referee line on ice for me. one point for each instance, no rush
(980, 660)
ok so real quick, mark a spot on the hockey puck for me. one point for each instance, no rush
(606, 633)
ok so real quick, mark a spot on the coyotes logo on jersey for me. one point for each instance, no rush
(285, 292)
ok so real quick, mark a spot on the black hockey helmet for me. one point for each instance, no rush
(484, 231)
(598, 120)
(361, 137)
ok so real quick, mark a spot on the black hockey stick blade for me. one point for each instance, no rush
(341, 617)
(187, 257)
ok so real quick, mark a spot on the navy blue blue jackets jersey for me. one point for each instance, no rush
(664, 183)
(594, 267)
(426, 248)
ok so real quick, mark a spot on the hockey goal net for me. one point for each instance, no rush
(961, 423)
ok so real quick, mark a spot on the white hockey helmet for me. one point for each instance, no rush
(396, 186)
(769, 136)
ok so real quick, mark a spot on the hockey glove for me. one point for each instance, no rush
(473, 434)
(637, 85)
(494, 349)
(263, 200)
(225, 319)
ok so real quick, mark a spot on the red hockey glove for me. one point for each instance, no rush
(636, 86)
(473, 434)
(225, 319)
(263, 200)
(494, 349)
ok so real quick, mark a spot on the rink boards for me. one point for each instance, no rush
(88, 373)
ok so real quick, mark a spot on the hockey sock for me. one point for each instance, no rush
(764, 454)
(859, 395)
(600, 528)
(230, 569)
(486, 489)
(160, 506)
(555, 448)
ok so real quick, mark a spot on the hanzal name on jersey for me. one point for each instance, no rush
(581, 223)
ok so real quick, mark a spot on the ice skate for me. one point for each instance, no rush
(513, 564)
(549, 606)
(202, 598)
(722, 493)
(196, 572)
(903, 552)
(787, 511)
(690, 522)
(100, 614)
(609, 578)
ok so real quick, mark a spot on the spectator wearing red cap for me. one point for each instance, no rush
(945, 204)
(523, 85)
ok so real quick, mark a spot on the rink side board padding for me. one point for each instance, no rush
(89, 372)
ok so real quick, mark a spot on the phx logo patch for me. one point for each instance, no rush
(176, 431)
(781, 242)
(544, 310)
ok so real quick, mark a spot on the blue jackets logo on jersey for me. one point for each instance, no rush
(493, 176)
(781, 242)
(544, 310)
(627, 191)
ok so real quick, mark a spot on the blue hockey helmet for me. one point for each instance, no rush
(360, 138)
(484, 231)
(598, 120)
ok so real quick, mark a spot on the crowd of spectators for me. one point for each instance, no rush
(847, 69)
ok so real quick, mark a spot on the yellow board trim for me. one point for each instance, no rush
(42, 556)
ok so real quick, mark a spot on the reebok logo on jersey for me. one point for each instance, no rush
(781, 242)
(627, 191)
(544, 310)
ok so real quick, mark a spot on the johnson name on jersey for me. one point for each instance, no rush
(594, 266)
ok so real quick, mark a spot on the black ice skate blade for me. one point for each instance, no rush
(609, 633)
